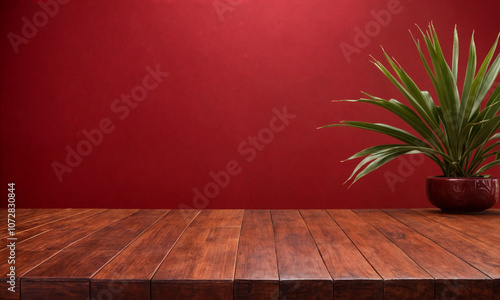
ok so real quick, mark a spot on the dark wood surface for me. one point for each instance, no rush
(131, 281)
(452, 275)
(303, 275)
(252, 254)
(256, 274)
(353, 276)
(403, 277)
(202, 263)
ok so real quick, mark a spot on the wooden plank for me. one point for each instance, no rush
(97, 221)
(453, 249)
(25, 235)
(454, 277)
(124, 280)
(40, 217)
(492, 215)
(92, 253)
(353, 277)
(473, 225)
(20, 213)
(256, 274)
(62, 235)
(28, 259)
(202, 263)
(303, 274)
(55, 290)
(485, 257)
(403, 278)
(41, 224)
(218, 218)
(24, 261)
(26, 212)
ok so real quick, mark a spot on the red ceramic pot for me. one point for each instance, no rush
(462, 195)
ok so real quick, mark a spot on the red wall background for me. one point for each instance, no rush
(233, 65)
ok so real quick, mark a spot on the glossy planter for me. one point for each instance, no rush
(462, 195)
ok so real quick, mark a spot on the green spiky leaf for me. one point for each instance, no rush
(458, 130)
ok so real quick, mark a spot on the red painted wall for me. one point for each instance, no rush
(210, 104)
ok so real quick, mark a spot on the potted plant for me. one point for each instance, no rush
(457, 131)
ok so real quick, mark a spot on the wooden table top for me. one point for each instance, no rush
(251, 254)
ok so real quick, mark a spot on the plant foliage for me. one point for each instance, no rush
(457, 132)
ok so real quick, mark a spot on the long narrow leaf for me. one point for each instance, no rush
(455, 55)
(467, 103)
(372, 150)
(378, 162)
(483, 81)
(457, 130)
(389, 130)
(488, 165)
(405, 114)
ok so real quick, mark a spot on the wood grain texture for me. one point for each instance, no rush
(25, 260)
(66, 233)
(218, 218)
(485, 257)
(353, 276)
(42, 216)
(19, 212)
(93, 252)
(26, 214)
(454, 277)
(256, 274)
(30, 224)
(23, 213)
(195, 290)
(146, 252)
(473, 225)
(403, 278)
(202, 263)
(64, 217)
(62, 290)
(118, 235)
(490, 215)
(303, 274)
(254, 254)
(47, 217)
(120, 289)
(42, 248)
(32, 232)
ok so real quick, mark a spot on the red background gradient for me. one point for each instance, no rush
(233, 67)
